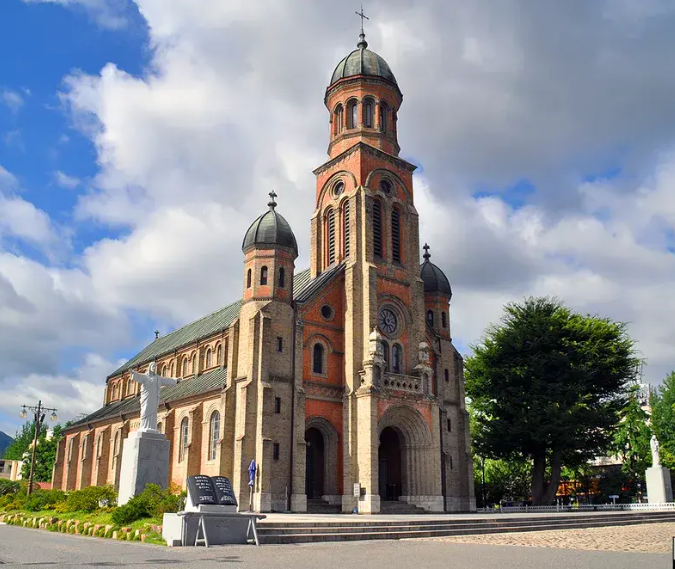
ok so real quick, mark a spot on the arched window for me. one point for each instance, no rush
(248, 279)
(377, 228)
(214, 434)
(345, 228)
(430, 318)
(384, 114)
(368, 113)
(184, 438)
(352, 118)
(159, 426)
(338, 120)
(385, 354)
(282, 278)
(194, 364)
(99, 445)
(425, 384)
(116, 443)
(209, 358)
(447, 374)
(173, 369)
(219, 355)
(70, 448)
(396, 236)
(444, 320)
(263, 276)
(185, 366)
(317, 357)
(85, 442)
(397, 359)
(330, 235)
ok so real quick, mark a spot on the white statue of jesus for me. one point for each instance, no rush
(654, 443)
(150, 387)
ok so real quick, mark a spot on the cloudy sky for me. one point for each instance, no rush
(139, 139)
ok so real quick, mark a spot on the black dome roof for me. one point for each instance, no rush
(270, 229)
(434, 279)
(362, 61)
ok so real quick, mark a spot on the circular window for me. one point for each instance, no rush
(338, 188)
(387, 320)
(385, 186)
(326, 312)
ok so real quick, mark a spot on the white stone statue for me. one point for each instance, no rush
(654, 443)
(150, 387)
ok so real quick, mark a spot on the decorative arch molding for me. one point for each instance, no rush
(395, 178)
(330, 454)
(319, 337)
(331, 181)
(409, 424)
(399, 304)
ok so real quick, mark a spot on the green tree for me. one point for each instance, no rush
(631, 441)
(45, 457)
(663, 419)
(548, 385)
(23, 440)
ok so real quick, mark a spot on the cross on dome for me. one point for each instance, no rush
(272, 203)
(363, 44)
(426, 255)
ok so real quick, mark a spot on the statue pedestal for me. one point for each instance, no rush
(659, 488)
(145, 460)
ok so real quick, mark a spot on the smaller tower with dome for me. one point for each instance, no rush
(437, 295)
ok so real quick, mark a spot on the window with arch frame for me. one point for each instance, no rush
(184, 437)
(194, 364)
(209, 358)
(173, 369)
(219, 354)
(397, 358)
(352, 115)
(317, 358)
(368, 113)
(282, 277)
(430, 318)
(339, 120)
(377, 228)
(85, 442)
(444, 319)
(396, 235)
(385, 353)
(70, 448)
(248, 279)
(330, 235)
(185, 366)
(116, 442)
(214, 434)
(99, 445)
(384, 117)
(263, 276)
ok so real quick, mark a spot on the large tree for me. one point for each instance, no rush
(631, 441)
(548, 384)
(45, 454)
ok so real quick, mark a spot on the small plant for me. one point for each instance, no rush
(91, 499)
(44, 500)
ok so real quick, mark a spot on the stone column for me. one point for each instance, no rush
(368, 447)
(299, 496)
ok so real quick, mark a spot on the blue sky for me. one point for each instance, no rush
(139, 139)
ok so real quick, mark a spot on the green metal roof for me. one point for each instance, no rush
(199, 329)
(210, 381)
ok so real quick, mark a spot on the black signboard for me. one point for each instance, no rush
(224, 492)
(201, 490)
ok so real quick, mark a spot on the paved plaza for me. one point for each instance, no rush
(20, 547)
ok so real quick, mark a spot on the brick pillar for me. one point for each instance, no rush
(299, 496)
(72, 454)
(59, 465)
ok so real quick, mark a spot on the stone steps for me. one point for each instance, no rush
(391, 507)
(297, 532)
(318, 506)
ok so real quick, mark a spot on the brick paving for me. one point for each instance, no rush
(645, 538)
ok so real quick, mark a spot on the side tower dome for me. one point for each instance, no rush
(270, 230)
(437, 295)
(362, 61)
(270, 250)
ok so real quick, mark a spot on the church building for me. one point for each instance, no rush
(341, 381)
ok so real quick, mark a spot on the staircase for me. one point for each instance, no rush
(372, 527)
(319, 506)
(394, 507)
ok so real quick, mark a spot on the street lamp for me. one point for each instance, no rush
(38, 412)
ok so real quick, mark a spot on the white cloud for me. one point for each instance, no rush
(106, 13)
(12, 99)
(65, 181)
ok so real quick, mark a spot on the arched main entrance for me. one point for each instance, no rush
(314, 472)
(389, 461)
(321, 460)
(409, 469)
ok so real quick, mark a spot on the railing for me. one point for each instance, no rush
(659, 506)
(401, 382)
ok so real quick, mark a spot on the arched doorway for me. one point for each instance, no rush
(315, 460)
(389, 461)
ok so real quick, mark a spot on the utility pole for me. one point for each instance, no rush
(39, 413)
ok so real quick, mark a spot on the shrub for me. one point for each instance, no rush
(44, 500)
(152, 502)
(9, 487)
(91, 499)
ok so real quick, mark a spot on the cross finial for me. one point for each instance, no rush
(272, 203)
(426, 255)
(363, 44)
(156, 334)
